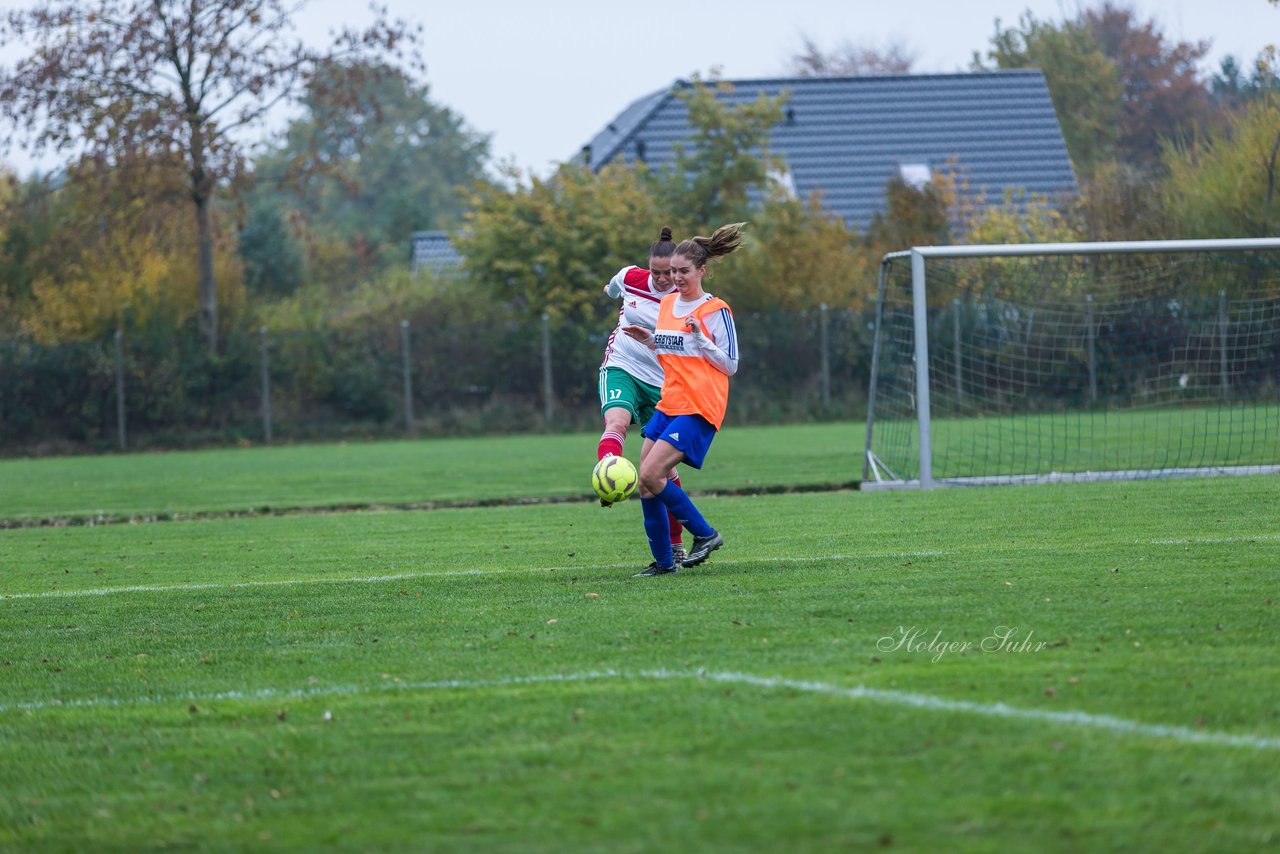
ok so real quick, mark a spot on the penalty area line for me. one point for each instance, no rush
(925, 702)
(1199, 541)
(197, 586)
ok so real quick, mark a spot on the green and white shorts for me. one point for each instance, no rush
(619, 388)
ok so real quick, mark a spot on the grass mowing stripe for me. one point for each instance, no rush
(409, 472)
(985, 549)
(928, 702)
(406, 576)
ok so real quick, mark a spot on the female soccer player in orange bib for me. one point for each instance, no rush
(697, 346)
(630, 376)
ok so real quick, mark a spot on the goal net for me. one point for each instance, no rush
(1088, 361)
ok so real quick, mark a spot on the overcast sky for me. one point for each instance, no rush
(541, 78)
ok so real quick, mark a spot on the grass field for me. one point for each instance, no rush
(360, 474)
(1074, 667)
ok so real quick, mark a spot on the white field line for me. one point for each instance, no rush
(1197, 541)
(408, 576)
(926, 702)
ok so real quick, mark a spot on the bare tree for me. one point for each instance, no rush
(851, 59)
(123, 79)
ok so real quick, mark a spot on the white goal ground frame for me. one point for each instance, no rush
(877, 475)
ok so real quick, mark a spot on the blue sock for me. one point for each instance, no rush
(658, 530)
(677, 501)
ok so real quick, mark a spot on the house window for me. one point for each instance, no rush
(915, 175)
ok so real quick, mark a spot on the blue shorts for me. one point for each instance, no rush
(689, 434)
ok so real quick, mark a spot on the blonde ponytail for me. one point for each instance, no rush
(700, 250)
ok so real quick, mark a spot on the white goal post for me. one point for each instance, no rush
(1047, 362)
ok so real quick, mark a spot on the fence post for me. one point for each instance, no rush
(955, 335)
(546, 366)
(1222, 342)
(406, 369)
(120, 425)
(264, 350)
(1089, 336)
(824, 344)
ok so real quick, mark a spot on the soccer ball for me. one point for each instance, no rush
(614, 478)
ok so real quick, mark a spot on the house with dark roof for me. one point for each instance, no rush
(433, 251)
(846, 137)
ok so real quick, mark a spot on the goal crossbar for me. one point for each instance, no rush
(1119, 247)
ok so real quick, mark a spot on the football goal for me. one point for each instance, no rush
(1075, 361)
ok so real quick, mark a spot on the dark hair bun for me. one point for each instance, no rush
(665, 236)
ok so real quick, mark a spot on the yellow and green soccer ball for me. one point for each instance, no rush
(614, 478)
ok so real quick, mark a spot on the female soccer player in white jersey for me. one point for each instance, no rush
(630, 377)
(697, 345)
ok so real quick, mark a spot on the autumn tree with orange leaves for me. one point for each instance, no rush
(125, 81)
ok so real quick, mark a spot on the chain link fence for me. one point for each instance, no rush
(448, 375)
